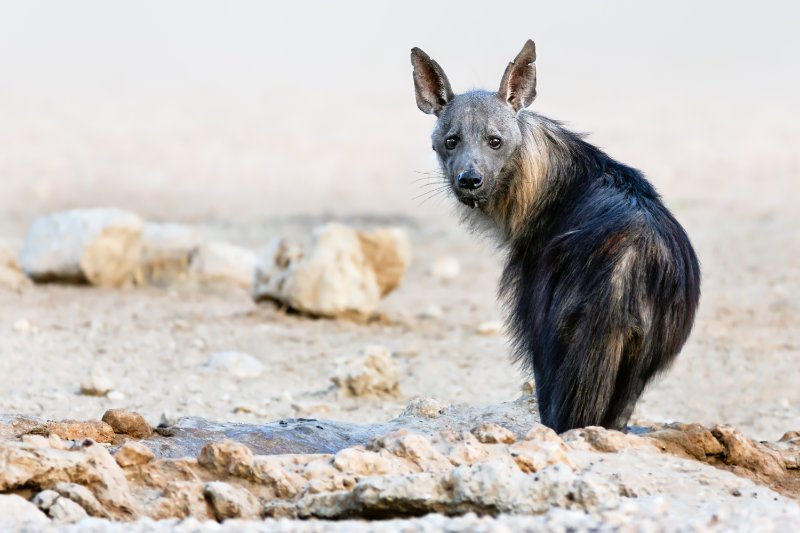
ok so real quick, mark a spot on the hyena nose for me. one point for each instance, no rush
(469, 179)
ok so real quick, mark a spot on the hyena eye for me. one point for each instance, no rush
(495, 142)
(450, 142)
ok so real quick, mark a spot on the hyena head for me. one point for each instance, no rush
(477, 136)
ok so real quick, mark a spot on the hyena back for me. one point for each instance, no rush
(601, 282)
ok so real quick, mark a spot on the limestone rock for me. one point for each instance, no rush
(45, 499)
(372, 372)
(229, 501)
(166, 252)
(100, 246)
(89, 465)
(66, 511)
(239, 365)
(81, 496)
(133, 453)
(223, 262)
(79, 430)
(491, 433)
(11, 275)
(227, 458)
(17, 513)
(340, 272)
(388, 251)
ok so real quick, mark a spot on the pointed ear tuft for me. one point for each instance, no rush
(431, 85)
(518, 86)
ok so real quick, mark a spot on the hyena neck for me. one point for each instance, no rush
(550, 167)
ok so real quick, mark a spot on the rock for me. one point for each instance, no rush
(239, 365)
(45, 499)
(229, 501)
(490, 433)
(133, 453)
(340, 272)
(89, 465)
(66, 511)
(79, 430)
(81, 496)
(445, 268)
(166, 253)
(11, 275)
(227, 458)
(115, 395)
(388, 251)
(18, 514)
(224, 263)
(127, 423)
(425, 407)
(96, 383)
(372, 372)
(431, 312)
(533, 456)
(100, 246)
(492, 327)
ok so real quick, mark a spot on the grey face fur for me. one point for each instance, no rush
(476, 135)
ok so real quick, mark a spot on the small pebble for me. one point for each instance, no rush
(445, 268)
(492, 327)
(240, 365)
(96, 383)
(432, 311)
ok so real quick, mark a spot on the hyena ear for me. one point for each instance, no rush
(433, 89)
(518, 86)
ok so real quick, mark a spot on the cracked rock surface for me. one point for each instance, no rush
(487, 466)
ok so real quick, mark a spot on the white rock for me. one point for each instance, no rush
(223, 262)
(166, 252)
(445, 268)
(237, 364)
(66, 511)
(492, 327)
(229, 501)
(340, 271)
(101, 246)
(22, 326)
(431, 312)
(115, 395)
(96, 383)
(45, 499)
(17, 513)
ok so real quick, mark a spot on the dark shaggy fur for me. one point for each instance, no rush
(601, 283)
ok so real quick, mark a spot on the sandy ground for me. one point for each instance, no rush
(736, 200)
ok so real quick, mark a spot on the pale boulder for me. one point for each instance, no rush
(101, 246)
(341, 271)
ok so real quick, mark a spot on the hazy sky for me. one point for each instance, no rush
(359, 50)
